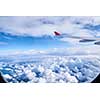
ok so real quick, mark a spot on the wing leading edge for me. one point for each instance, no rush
(81, 39)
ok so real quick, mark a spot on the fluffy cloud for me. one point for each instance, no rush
(33, 26)
(38, 26)
(46, 25)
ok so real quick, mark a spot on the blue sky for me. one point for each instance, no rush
(29, 42)
(36, 33)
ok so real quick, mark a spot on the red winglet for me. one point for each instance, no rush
(56, 33)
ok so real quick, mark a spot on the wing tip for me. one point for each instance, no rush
(56, 33)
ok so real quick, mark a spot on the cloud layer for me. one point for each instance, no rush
(43, 25)
(70, 51)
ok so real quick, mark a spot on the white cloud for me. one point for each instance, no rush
(70, 51)
(70, 40)
(22, 52)
(37, 26)
(33, 26)
(40, 25)
(77, 50)
(85, 50)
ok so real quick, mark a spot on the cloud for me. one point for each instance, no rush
(76, 50)
(37, 26)
(70, 40)
(32, 26)
(22, 52)
(70, 51)
(85, 50)
(45, 25)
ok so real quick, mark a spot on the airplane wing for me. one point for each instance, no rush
(81, 39)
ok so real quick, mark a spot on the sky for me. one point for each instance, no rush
(33, 34)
